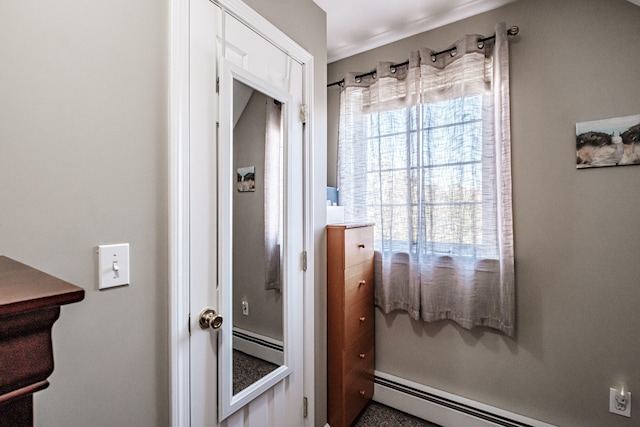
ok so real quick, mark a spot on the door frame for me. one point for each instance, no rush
(178, 128)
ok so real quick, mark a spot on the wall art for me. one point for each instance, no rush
(246, 179)
(608, 142)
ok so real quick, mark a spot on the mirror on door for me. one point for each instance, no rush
(257, 236)
(254, 250)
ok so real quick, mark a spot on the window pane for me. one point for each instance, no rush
(390, 187)
(393, 152)
(414, 150)
(391, 221)
(451, 227)
(414, 187)
(455, 184)
(453, 144)
(452, 111)
(373, 154)
(414, 113)
(387, 122)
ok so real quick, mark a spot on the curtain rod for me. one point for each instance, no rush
(513, 31)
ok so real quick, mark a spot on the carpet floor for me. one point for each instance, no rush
(248, 369)
(379, 415)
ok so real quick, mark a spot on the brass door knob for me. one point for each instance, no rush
(362, 319)
(363, 282)
(210, 319)
(362, 355)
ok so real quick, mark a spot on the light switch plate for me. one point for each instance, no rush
(113, 265)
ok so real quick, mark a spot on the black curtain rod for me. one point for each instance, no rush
(514, 30)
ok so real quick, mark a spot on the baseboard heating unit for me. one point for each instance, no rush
(259, 346)
(443, 408)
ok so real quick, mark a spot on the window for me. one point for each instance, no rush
(424, 179)
(424, 152)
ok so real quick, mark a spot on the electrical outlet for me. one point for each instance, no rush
(620, 402)
(245, 307)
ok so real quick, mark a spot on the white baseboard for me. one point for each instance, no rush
(259, 346)
(445, 409)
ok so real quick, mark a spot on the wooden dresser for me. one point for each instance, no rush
(30, 303)
(350, 323)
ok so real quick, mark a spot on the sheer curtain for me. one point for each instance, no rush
(272, 195)
(424, 151)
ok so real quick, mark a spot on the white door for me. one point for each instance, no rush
(217, 37)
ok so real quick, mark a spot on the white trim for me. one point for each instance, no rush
(309, 245)
(260, 25)
(179, 213)
(441, 409)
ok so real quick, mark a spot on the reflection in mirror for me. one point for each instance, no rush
(256, 239)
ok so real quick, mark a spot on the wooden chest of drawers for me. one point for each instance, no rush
(350, 323)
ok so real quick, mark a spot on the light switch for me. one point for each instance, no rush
(113, 265)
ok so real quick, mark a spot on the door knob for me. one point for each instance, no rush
(210, 319)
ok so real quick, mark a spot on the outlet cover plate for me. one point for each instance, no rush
(626, 412)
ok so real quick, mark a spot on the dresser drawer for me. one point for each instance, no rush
(358, 319)
(358, 391)
(359, 355)
(358, 282)
(358, 245)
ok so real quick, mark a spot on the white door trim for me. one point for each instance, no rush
(178, 128)
(179, 213)
(309, 358)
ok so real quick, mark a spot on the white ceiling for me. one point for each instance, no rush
(355, 26)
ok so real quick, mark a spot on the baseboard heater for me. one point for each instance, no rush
(259, 346)
(443, 408)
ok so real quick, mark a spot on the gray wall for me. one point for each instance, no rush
(577, 233)
(83, 161)
(265, 306)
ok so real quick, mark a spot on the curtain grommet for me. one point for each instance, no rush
(453, 52)
(433, 58)
(480, 44)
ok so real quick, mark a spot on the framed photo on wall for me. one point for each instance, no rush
(608, 142)
(246, 179)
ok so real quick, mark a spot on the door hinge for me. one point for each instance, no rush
(303, 114)
(217, 84)
(189, 324)
(305, 407)
(304, 261)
